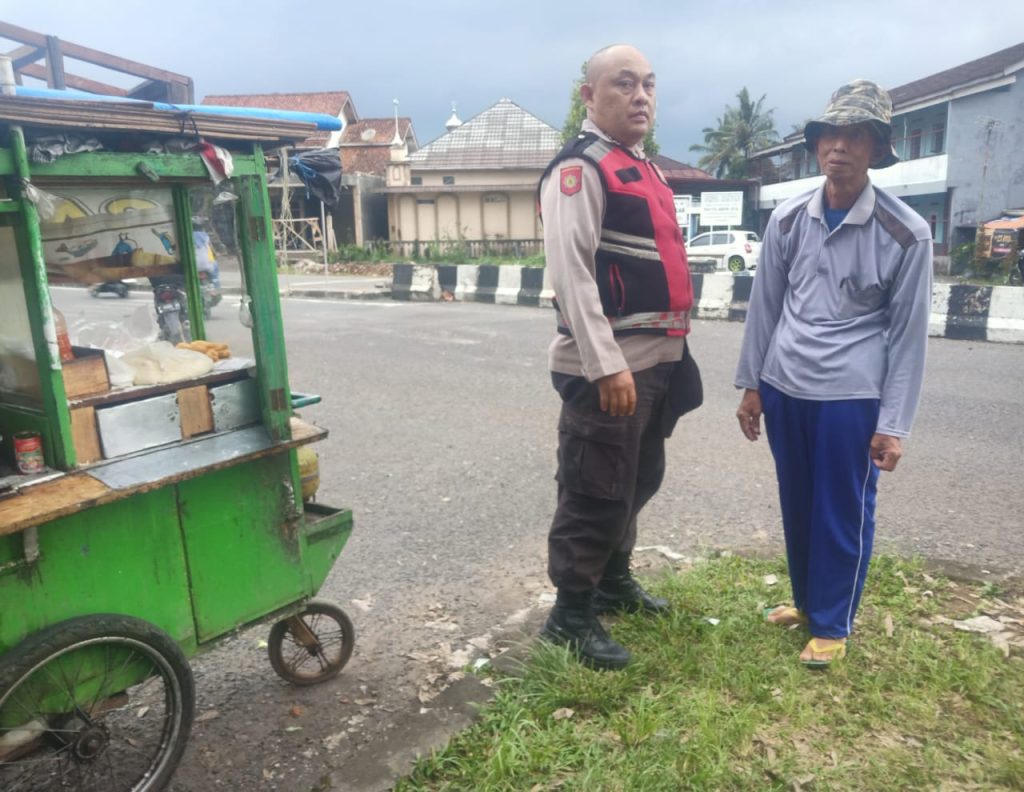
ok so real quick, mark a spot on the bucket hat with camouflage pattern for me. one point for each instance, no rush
(857, 102)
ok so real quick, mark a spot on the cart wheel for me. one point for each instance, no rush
(100, 702)
(312, 646)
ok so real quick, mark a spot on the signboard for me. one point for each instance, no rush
(1003, 242)
(684, 207)
(721, 208)
(998, 238)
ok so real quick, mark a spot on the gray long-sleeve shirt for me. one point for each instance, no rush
(842, 314)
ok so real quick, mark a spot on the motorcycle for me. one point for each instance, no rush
(171, 305)
(211, 293)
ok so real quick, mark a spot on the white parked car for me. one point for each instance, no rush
(735, 250)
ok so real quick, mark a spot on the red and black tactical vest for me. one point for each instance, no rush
(641, 270)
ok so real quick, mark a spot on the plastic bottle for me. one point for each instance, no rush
(63, 339)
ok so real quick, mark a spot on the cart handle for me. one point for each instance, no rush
(304, 399)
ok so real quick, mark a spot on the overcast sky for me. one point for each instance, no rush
(428, 54)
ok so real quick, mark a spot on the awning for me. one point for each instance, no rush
(1006, 222)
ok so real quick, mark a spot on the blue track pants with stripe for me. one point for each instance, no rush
(827, 489)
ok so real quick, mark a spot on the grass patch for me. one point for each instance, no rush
(727, 706)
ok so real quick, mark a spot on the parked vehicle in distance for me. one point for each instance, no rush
(737, 250)
(120, 288)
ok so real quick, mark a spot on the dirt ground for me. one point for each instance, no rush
(403, 694)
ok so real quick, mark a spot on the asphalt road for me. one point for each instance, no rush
(442, 442)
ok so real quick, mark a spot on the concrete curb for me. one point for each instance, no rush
(486, 283)
(312, 294)
(334, 294)
(959, 311)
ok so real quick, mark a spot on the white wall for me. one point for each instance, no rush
(924, 176)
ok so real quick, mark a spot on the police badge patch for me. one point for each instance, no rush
(571, 179)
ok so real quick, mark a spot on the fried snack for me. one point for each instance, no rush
(212, 350)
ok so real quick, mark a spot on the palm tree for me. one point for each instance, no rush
(740, 132)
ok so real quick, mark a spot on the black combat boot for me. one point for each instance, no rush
(573, 624)
(618, 591)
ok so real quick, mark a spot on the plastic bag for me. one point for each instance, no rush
(45, 203)
(118, 336)
(121, 374)
(320, 171)
(161, 362)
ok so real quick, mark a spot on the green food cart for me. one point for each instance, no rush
(167, 508)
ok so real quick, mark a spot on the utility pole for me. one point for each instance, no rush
(990, 125)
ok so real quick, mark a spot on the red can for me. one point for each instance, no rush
(28, 452)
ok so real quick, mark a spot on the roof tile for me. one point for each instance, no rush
(994, 65)
(376, 131)
(674, 169)
(504, 136)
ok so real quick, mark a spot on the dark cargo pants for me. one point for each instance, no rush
(608, 468)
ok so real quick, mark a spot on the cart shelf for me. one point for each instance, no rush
(103, 483)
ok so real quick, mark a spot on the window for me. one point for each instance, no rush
(425, 201)
(448, 180)
(417, 181)
(798, 162)
(915, 143)
(938, 138)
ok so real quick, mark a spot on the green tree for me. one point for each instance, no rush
(578, 112)
(740, 132)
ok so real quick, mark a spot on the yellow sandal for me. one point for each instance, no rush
(787, 616)
(834, 653)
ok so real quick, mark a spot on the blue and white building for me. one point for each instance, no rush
(960, 138)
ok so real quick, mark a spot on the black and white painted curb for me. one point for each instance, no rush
(959, 311)
(507, 285)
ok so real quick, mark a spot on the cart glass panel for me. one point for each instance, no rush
(157, 359)
(219, 265)
(120, 241)
(19, 375)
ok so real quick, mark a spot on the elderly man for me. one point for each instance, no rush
(617, 263)
(833, 357)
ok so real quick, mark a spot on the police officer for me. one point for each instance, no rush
(615, 256)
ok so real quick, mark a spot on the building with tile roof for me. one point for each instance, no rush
(366, 144)
(475, 182)
(676, 171)
(689, 183)
(364, 148)
(959, 134)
